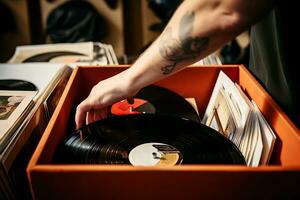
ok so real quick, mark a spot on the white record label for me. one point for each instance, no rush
(155, 154)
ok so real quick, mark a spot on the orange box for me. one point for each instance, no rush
(281, 179)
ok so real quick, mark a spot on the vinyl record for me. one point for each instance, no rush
(49, 56)
(148, 140)
(158, 100)
(16, 84)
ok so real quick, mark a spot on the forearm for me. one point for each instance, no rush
(197, 29)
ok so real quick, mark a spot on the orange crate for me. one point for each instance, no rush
(75, 181)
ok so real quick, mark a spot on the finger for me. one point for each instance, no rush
(90, 117)
(81, 111)
(97, 114)
(100, 114)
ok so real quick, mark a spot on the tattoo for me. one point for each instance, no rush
(168, 68)
(187, 47)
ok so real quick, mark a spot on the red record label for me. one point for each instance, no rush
(125, 108)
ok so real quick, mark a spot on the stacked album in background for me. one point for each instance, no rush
(14, 105)
(24, 93)
(31, 84)
(238, 118)
(22, 86)
(73, 54)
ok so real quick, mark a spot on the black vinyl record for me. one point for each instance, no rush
(148, 140)
(162, 101)
(48, 56)
(16, 84)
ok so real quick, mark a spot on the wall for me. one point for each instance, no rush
(21, 36)
(148, 18)
(137, 35)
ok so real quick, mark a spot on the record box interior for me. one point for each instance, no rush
(50, 180)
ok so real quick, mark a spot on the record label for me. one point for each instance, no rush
(155, 154)
(154, 99)
(139, 106)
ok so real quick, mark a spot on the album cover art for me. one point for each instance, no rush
(232, 114)
(13, 104)
(8, 104)
(221, 119)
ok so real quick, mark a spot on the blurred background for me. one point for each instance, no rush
(128, 25)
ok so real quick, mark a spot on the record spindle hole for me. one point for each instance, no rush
(155, 156)
(130, 100)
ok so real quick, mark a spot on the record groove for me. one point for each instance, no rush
(149, 139)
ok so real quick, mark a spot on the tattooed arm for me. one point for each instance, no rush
(197, 29)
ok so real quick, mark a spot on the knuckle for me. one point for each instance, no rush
(79, 107)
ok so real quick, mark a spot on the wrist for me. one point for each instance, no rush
(130, 82)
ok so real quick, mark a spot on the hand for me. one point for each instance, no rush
(102, 95)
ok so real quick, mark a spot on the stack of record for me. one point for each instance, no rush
(73, 54)
(163, 131)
